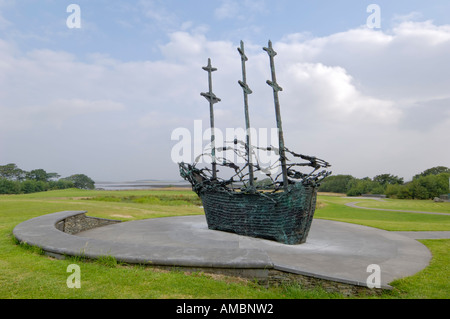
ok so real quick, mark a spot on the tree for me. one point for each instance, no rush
(52, 176)
(393, 190)
(405, 192)
(61, 184)
(425, 187)
(366, 185)
(11, 172)
(359, 187)
(385, 179)
(9, 187)
(433, 171)
(28, 186)
(336, 184)
(81, 181)
(435, 185)
(41, 175)
(14, 180)
(37, 175)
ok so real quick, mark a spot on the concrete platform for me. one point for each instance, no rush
(334, 251)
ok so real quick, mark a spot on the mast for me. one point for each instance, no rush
(246, 91)
(276, 88)
(212, 98)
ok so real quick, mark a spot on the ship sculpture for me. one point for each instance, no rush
(281, 206)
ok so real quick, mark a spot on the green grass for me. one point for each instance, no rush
(26, 273)
(334, 208)
(407, 204)
(156, 199)
(432, 282)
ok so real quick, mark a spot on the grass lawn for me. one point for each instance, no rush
(26, 273)
(407, 204)
(334, 208)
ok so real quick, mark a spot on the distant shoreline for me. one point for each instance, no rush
(139, 185)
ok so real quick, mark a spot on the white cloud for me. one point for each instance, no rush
(245, 9)
(158, 14)
(332, 92)
(347, 98)
(228, 9)
(424, 32)
(406, 62)
(412, 16)
(52, 115)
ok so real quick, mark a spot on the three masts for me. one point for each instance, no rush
(212, 98)
(281, 210)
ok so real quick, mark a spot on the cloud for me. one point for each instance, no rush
(4, 23)
(359, 99)
(407, 61)
(407, 17)
(158, 15)
(228, 9)
(246, 9)
(423, 31)
(332, 92)
(54, 114)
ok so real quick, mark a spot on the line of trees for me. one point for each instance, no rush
(429, 184)
(14, 180)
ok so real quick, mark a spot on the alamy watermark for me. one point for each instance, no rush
(74, 19)
(191, 143)
(374, 20)
(374, 279)
(74, 280)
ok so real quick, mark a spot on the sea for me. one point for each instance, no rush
(136, 185)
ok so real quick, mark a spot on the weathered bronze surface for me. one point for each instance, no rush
(276, 88)
(246, 91)
(280, 207)
(212, 98)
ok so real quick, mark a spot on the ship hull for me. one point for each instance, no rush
(284, 216)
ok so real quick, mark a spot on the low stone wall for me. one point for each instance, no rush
(270, 277)
(81, 222)
(277, 277)
(259, 275)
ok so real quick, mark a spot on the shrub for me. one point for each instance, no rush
(393, 190)
(359, 187)
(81, 181)
(28, 186)
(336, 184)
(9, 187)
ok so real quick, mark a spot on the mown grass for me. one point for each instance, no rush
(154, 199)
(26, 273)
(334, 208)
(407, 204)
(432, 282)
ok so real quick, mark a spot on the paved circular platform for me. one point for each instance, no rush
(334, 251)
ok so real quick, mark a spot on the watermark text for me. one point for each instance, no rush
(374, 279)
(74, 280)
(190, 143)
(374, 19)
(74, 19)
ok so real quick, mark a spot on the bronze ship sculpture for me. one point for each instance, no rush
(279, 208)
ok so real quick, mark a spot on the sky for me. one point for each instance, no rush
(102, 90)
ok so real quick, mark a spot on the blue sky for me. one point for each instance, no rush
(104, 99)
(130, 30)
